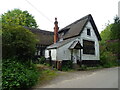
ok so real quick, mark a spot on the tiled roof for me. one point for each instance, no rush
(60, 43)
(44, 37)
(76, 27)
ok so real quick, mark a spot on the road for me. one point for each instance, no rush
(103, 78)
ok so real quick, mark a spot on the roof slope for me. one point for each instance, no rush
(44, 37)
(76, 27)
(76, 45)
(61, 43)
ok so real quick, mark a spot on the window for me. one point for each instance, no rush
(88, 32)
(88, 47)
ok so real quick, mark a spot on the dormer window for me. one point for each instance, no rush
(88, 32)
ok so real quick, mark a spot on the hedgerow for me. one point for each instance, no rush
(18, 75)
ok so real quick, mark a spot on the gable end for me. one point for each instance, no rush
(77, 27)
(93, 25)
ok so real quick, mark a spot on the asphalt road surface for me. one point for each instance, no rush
(103, 78)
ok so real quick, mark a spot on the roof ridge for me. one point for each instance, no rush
(76, 21)
(38, 29)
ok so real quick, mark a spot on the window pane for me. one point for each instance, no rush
(88, 47)
(88, 32)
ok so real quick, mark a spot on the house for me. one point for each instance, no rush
(45, 39)
(77, 42)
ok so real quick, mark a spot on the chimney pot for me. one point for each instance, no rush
(55, 19)
(56, 22)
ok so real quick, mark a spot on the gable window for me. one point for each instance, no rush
(88, 32)
(88, 47)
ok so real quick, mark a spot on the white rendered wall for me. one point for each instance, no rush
(46, 53)
(63, 53)
(53, 54)
(92, 37)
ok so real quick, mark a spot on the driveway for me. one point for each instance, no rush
(102, 78)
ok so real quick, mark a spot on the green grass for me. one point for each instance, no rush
(46, 73)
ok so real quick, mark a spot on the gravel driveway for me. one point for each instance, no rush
(68, 76)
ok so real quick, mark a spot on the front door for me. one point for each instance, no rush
(76, 52)
(76, 56)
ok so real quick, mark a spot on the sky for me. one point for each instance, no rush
(66, 11)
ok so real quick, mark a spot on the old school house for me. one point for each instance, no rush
(77, 42)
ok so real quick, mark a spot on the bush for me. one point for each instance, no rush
(108, 59)
(83, 67)
(67, 66)
(17, 75)
(41, 60)
(17, 42)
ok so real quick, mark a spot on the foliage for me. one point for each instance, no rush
(46, 73)
(67, 66)
(115, 31)
(18, 17)
(41, 60)
(17, 42)
(115, 36)
(83, 67)
(108, 59)
(105, 34)
(18, 75)
(109, 46)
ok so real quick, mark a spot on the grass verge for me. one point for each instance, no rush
(46, 74)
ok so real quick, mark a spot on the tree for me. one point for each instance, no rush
(115, 37)
(109, 46)
(105, 34)
(111, 36)
(17, 42)
(115, 29)
(19, 17)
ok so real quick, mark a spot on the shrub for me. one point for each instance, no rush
(17, 42)
(108, 59)
(67, 66)
(41, 60)
(83, 67)
(17, 75)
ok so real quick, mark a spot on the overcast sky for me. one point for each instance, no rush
(67, 11)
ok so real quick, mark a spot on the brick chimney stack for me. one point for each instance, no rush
(56, 31)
